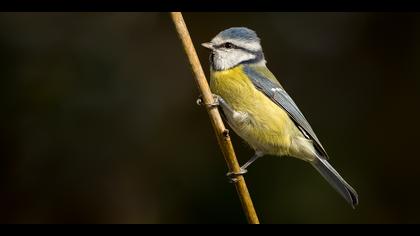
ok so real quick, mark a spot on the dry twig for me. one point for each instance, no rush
(222, 133)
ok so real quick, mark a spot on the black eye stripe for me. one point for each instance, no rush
(228, 45)
(233, 46)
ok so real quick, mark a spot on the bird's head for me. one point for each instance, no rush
(234, 46)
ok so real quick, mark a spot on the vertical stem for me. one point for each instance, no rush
(222, 135)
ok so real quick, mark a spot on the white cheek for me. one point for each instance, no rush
(227, 59)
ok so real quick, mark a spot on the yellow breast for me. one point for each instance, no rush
(270, 128)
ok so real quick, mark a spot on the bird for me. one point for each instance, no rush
(260, 111)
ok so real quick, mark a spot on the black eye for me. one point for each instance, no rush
(228, 45)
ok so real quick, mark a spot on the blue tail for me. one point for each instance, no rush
(336, 181)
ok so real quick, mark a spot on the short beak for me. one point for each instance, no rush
(208, 45)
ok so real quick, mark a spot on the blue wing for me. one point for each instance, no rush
(264, 81)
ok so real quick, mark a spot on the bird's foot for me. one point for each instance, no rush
(215, 103)
(233, 176)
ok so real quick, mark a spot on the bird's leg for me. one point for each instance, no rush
(218, 101)
(221, 102)
(253, 158)
(238, 116)
(243, 170)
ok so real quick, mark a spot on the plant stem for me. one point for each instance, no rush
(222, 133)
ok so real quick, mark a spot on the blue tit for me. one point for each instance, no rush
(260, 111)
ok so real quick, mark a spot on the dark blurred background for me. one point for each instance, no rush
(98, 120)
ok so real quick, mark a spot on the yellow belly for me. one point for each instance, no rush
(270, 128)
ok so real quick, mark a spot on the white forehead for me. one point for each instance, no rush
(239, 36)
(253, 46)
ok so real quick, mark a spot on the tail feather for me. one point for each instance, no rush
(336, 181)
